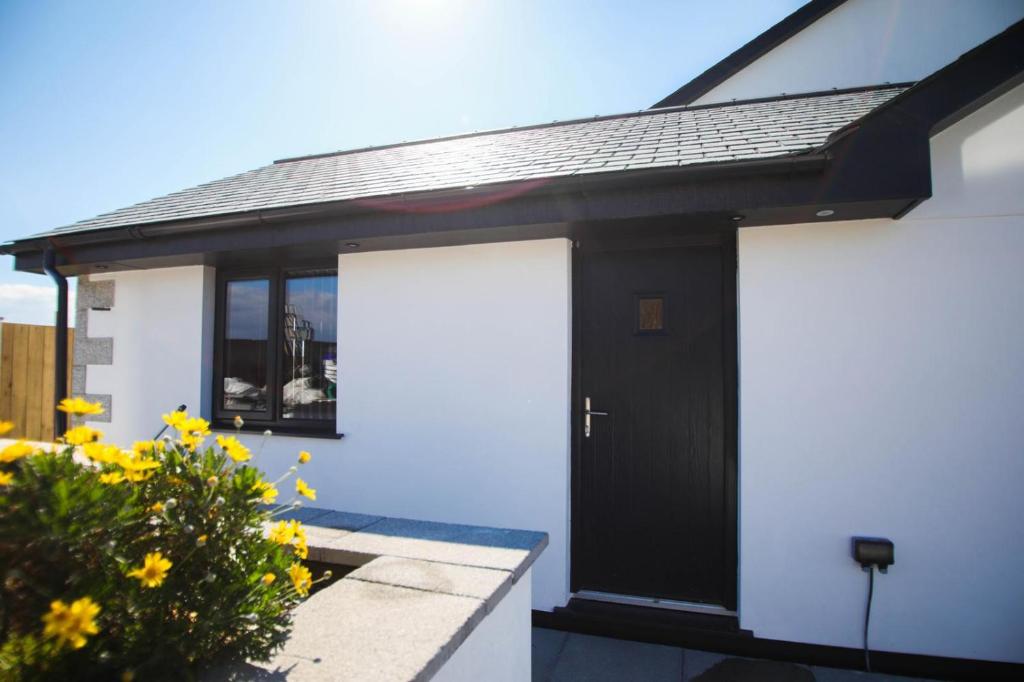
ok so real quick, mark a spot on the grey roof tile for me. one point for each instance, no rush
(737, 131)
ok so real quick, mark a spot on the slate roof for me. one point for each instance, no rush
(659, 138)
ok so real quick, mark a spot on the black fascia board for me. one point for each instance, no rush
(749, 53)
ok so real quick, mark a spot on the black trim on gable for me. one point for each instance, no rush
(749, 53)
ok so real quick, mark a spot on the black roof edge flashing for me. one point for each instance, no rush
(749, 53)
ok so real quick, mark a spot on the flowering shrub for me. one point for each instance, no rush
(148, 562)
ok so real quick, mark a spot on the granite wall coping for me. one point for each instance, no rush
(420, 588)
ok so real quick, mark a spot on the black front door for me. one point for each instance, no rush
(654, 476)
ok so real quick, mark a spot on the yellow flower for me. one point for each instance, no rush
(6, 477)
(239, 422)
(5, 427)
(104, 454)
(138, 476)
(146, 447)
(283, 531)
(112, 478)
(303, 489)
(302, 579)
(190, 441)
(175, 419)
(197, 426)
(131, 461)
(304, 457)
(15, 451)
(201, 540)
(136, 467)
(301, 548)
(234, 449)
(79, 406)
(266, 490)
(71, 624)
(268, 578)
(153, 570)
(211, 481)
(157, 508)
(80, 435)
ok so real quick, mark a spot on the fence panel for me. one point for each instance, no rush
(26, 378)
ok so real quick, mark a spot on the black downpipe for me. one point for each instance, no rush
(60, 364)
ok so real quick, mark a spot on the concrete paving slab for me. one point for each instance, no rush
(411, 634)
(498, 548)
(599, 659)
(547, 647)
(755, 670)
(696, 662)
(485, 584)
(839, 675)
(303, 514)
(346, 520)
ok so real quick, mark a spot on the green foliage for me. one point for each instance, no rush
(79, 523)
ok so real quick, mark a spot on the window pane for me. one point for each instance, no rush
(245, 345)
(310, 363)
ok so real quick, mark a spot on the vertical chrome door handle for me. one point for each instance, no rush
(587, 414)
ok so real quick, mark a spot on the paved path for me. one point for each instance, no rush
(564, 657)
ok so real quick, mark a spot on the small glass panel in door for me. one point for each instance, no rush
(650, 313)
(309, 362)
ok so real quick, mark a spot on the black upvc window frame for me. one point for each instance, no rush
(272, 418)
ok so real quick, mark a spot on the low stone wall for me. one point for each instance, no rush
(427, 601)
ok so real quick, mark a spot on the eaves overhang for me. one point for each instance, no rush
(763, 191)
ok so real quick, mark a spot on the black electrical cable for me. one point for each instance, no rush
(867, 617)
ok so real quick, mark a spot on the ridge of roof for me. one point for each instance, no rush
(749, 53)
(601, 117)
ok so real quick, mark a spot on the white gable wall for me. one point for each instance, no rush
(882, 379)
(866, 42)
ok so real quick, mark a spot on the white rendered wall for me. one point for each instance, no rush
(453, 393)
(882, 382)
(499, 649)
(162, 326)
(866, 42)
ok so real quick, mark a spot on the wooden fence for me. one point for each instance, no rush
(27, 354)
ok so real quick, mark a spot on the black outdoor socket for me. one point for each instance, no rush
(870, 552)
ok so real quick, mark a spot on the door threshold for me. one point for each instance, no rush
(653, 602)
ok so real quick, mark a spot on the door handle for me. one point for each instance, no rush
(587, 414)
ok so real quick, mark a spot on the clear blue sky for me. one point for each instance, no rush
(103, 104)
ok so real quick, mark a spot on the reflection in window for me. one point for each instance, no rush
(245, 345)
(309, 363)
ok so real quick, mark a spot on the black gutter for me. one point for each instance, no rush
(60, 365)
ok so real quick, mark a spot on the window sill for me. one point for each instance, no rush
(292, 433)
